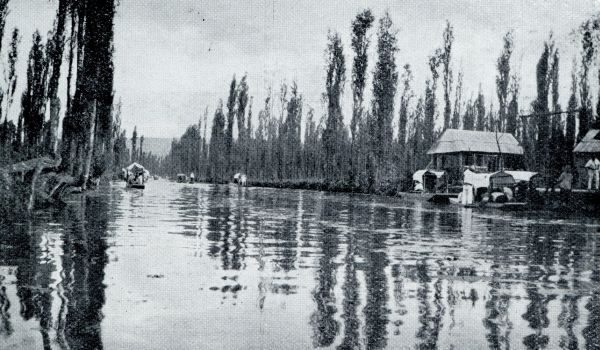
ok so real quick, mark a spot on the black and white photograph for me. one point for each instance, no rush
(299, 174)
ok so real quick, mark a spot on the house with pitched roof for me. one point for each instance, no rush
(588, 148)
(486, 151)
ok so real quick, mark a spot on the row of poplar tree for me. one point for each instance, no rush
(91, 141)
(383, 145)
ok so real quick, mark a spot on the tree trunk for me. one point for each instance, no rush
(89, 149)
(53, 131)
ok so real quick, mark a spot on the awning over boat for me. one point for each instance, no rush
(497, 180)
(135, 167)
(418, 175)
(522, 175)
(501, 179)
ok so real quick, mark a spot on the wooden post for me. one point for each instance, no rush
(89, 149)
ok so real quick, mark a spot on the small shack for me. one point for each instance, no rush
(486, 151)
(588, 148)
(430, 181)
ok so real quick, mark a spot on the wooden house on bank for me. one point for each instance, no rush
(588, 148)
(458, 150)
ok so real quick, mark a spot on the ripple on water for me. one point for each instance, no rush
(203, 266)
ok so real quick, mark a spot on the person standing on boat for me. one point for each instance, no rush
(591, 172)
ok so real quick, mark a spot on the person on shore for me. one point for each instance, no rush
(565, 183)
(591, 172)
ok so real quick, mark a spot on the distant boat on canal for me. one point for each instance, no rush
(137, 176)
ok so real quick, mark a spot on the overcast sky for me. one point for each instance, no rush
(173, 58)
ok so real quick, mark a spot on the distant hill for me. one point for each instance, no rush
(157, 145)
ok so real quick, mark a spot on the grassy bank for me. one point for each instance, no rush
(389, 188)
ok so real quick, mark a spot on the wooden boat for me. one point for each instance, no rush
(442, 198)
(137, 186)
(138, 176)
(508, 206)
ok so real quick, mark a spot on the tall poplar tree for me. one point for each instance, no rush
(134, 145)
(540, 107)
(334, 87)
(231, 100)
(570, 132)
(445, 55)
(587, 57)
(385, 80)
(217, 141)
(56, 47)
(503, 79)
(32, 101)
(360, 44)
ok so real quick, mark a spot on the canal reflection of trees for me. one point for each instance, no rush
(546, 263)
(72, 280)
(474, 263)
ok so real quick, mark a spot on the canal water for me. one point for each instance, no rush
(180, 266)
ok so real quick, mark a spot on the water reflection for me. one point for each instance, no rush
(84, 257)
(351, 289)
(293, 269)
(325, 327)
(62, 292)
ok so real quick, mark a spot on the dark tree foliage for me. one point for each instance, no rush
(445, 55)
(141, 151)
(458, 103)
(570, 133)
(512, 114)
(557, 136)
(11, 77)
(231, 101)
(405, 98)
(216, 159)
(540, 107)
(87, 127)
(470, 116)
(480, 123)
(134, 145)
(334, 87)
(32, 101)
(242, 103)
(291, 136)
(360, 44)
(503, 80)
(587, 57)
(56, 46)
(10, 137)
(385, 80)
(430, 102)
(369, 155)
(4, 10)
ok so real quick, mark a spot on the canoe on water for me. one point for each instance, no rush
(138, 186)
